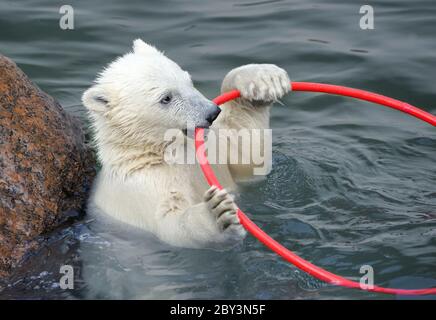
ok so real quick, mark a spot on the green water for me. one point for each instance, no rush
(352, 183)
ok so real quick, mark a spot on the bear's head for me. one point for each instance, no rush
(140, 95)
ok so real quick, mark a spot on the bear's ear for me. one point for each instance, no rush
(140, 46)
(96, 99)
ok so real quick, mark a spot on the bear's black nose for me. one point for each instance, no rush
(213, 115)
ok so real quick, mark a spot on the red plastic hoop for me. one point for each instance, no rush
(259, 234)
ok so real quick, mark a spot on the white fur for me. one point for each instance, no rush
(135, 185)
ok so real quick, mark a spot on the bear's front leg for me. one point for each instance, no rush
(212, 223)
(259, 84)
(223, 208)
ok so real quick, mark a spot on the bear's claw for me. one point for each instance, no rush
(221, 204)
(260, 83)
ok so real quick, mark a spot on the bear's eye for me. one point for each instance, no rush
(167, 99)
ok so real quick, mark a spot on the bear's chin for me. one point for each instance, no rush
(189, 132)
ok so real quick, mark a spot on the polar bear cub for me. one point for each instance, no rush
(132, 103)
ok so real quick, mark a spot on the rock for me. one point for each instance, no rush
(45, 166)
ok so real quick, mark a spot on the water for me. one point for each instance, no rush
(352, 183)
